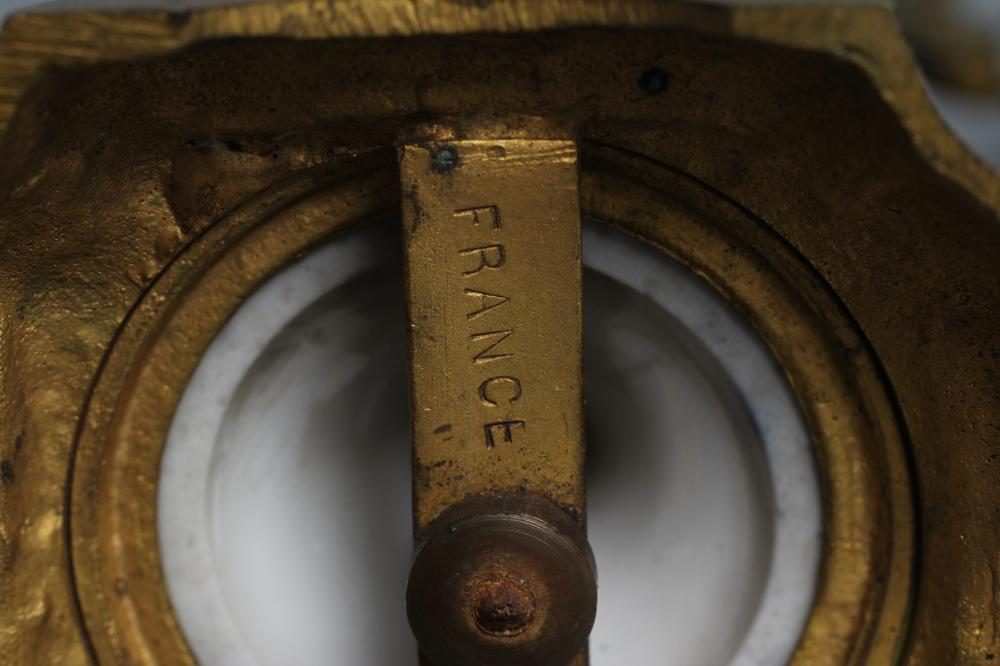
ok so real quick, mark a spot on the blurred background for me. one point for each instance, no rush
(957, 43)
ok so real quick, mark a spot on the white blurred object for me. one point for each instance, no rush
(958, 44)
(975, 119)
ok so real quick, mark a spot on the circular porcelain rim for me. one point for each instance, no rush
(787, 598)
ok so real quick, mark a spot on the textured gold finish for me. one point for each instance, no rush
(864, 34)
(492, 236)
(792, 160)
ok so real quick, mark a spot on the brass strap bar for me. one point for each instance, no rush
(493, 275)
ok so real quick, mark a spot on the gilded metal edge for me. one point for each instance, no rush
(491, 229)
(867, 36)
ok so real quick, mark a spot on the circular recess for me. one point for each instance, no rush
(283, 499)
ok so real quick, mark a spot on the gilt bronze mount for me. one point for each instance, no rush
(159, 167)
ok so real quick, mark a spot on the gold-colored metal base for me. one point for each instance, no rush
(493, 273)
(787, 155)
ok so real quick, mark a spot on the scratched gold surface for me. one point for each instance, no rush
(493, 292)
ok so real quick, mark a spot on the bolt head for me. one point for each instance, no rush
(503, 606)
(444, 158)
(507, 581)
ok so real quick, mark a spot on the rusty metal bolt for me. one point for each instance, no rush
(503, 606)
(502, 580)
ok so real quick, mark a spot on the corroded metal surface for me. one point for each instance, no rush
(127, 172)
(503, 579)
(491, 229)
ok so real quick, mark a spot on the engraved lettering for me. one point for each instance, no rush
(488, 213)
(487, 302)
(486, 396)
(486, 354)
(490, 256)
(506, 426)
